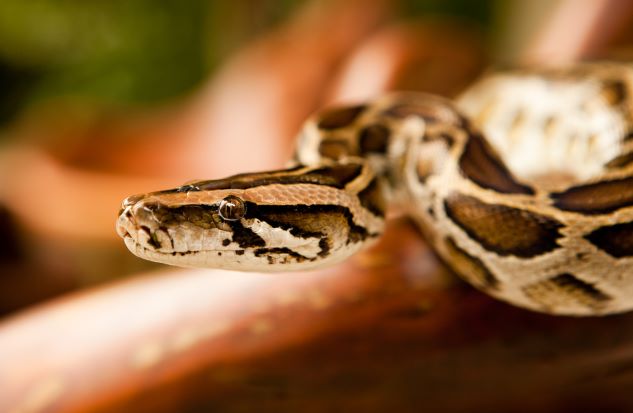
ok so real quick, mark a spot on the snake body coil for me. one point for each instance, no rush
(526, 191)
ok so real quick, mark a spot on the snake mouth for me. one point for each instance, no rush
(192, 258)
(157, 244)
(145, 252)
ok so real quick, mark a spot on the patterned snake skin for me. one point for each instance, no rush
(524, 186)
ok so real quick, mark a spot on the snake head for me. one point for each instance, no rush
(284, 220)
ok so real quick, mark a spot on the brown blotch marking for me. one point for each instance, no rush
(566, 289)
(372, 198)
(472, 269)
(226, 242)
(325, 248)
(310, 220)
(374, 139)
(245, 237)
(334, 149)
(614, 91)
(276, 251)
(253, 179)
(620, 161)
(339, 117)
(153, 239)
(480, 163)
(338, 175)
(502, 229)
(239, 252)
(596, 198)
(289, 220)
(616, 240)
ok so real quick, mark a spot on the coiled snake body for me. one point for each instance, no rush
(526, 191)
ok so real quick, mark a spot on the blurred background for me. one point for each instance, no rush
(108, 98)
(104, 99)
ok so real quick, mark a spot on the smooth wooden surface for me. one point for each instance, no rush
(390, 330)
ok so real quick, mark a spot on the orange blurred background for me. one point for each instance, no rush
(104, 99)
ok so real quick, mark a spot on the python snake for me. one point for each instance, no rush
(523, 186)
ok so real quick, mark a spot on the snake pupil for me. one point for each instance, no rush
(232, 208)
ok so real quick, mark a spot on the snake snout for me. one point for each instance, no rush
(141, 224)
(134, 216)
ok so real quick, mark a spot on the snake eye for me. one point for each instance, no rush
(232, 208)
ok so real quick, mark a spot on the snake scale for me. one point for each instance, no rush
(523, 186)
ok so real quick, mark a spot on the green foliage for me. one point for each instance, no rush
(114, 50)
(136, 52)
